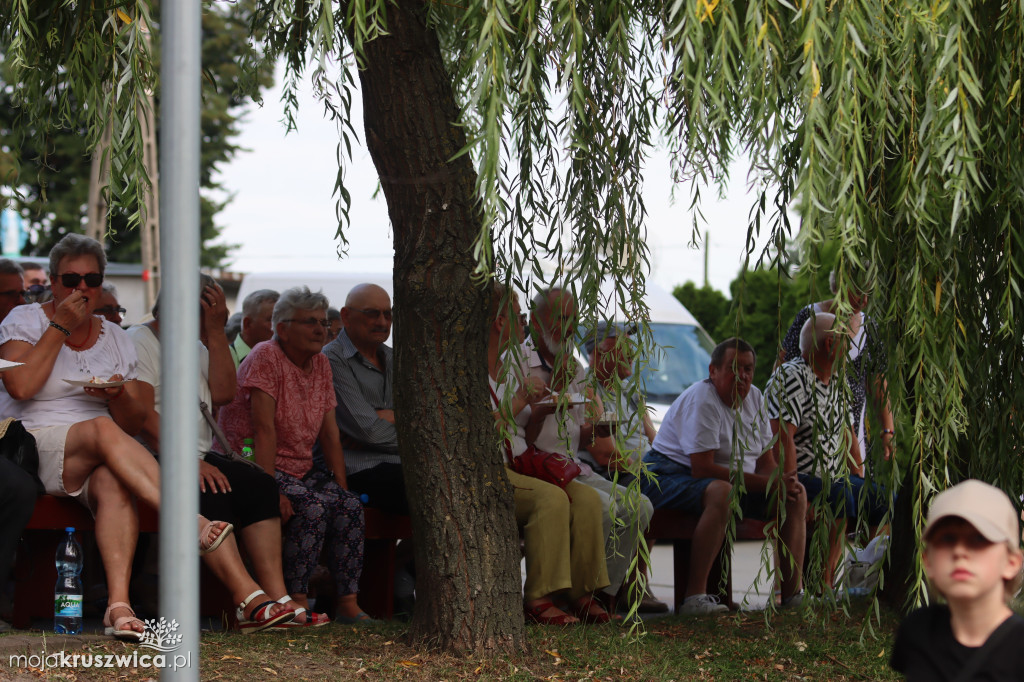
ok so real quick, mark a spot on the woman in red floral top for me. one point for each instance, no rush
(285, 403)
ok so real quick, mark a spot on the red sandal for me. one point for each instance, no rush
(584, 609)
(535, 614)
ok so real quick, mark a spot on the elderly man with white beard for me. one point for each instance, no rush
(549, 356)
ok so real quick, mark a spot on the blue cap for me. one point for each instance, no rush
(69, 529)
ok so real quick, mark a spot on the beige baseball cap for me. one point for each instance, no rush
(984, 506)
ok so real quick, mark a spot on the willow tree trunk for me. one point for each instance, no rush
(468, 588)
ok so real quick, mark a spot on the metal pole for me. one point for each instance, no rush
(707, 252)
(179, 313)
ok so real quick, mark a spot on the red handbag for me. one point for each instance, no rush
(547, 466)
(550, 467)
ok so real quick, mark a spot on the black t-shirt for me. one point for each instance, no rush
(926, 649)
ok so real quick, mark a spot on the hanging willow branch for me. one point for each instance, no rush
(893, 129)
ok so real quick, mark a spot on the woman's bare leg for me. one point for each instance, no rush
(117, 531)
(263, 542)
(99, 442)
(227, 565)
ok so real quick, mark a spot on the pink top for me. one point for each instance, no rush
(301, 402)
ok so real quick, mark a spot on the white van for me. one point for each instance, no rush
(682, 359)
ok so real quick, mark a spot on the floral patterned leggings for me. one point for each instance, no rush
(327, 517)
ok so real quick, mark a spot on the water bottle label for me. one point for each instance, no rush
(69, 605)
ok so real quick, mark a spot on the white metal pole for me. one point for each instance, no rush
(179, 314)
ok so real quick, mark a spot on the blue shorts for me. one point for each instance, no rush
(675, 487)
(851, 497)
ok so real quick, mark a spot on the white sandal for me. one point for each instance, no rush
(117, 629)
(261, 618)
(205, 544)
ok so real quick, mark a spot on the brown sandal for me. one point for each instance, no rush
(535, 614)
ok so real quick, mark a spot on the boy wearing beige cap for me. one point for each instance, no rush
(973, 559)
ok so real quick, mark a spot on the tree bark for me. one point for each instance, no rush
(468, 587)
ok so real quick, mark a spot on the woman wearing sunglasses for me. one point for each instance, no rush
(285, 403)
(84, 433)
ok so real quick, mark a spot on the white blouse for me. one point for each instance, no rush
(58, 402)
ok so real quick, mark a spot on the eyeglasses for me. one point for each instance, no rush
(20, 293)
(71, 279)
(110, 310)
(310, 321)
(374, 313)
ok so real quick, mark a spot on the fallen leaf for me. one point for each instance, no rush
(270, 670)
(408, 664)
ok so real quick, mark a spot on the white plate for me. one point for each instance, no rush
(572, 401)
(7, 364)
(88, 384)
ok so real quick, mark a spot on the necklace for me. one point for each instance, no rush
(80, 346)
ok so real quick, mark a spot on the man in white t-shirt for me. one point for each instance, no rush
(717, 431)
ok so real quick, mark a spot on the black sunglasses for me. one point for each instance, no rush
(71, 279)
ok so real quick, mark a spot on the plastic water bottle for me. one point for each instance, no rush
(247, 449)
(67, 595)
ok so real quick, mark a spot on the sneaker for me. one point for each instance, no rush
(701, 604)
(794, 601)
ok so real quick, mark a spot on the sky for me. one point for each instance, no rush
(282, 216)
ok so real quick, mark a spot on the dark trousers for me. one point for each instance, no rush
(254, 496)
(17, 500)
(384, 487)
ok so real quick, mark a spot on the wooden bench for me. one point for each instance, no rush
(35, 573)
(677, 526)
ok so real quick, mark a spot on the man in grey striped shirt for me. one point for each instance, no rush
(362, 366)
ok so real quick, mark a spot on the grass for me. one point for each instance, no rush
(732, 648)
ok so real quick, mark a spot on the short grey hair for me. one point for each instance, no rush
(76, 245)
(254, 301)
(815, 329)
(233, 327)
(294, 300)
(9, 267)
(541, 303)
(110, 289)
